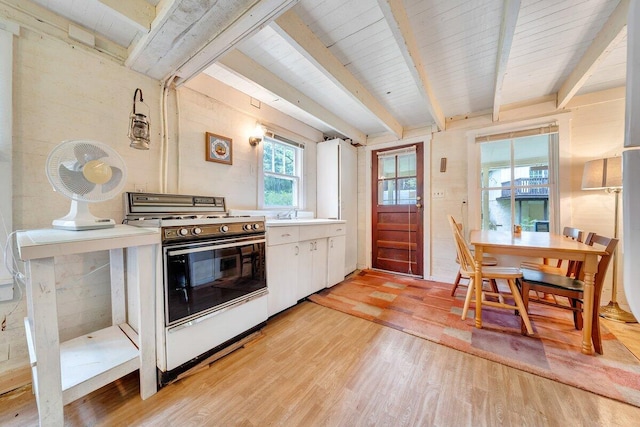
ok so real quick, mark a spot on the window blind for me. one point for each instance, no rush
(518, 134)
(284, 140)
(399, 151)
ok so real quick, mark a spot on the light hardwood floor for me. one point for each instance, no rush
(316, 366)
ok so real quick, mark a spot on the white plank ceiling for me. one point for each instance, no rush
(358, 68)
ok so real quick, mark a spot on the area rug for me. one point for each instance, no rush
(427, 310)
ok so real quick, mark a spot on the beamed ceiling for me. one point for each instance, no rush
(360, 68)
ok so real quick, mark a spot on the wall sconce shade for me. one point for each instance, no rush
(602, 174)
(138, 127)
(257, 135)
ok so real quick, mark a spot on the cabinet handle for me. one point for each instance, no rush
(286, 235)
(297, 249)
(331, 243)
(338, 229)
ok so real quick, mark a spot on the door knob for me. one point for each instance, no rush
(418, 205)
(418, 198)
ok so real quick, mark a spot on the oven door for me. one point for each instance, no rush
(202, 277)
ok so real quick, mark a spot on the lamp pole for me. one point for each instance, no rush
(612, 311)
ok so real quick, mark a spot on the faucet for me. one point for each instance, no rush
(290, 214)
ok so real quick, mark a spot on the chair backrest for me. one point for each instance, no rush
(574, 233)
(573, 267)
(465, 258)
(609, 244)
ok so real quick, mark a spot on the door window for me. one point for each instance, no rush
(397, 177)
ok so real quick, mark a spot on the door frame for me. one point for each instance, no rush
(426, 215)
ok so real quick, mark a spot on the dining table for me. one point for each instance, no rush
(539, 245)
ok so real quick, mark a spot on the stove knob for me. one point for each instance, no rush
(183, 232)
(246, 227)
(256, 226)
(224, 228)
(197, 230)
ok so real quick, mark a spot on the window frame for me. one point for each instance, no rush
(560, 212)
(550, 168)
(297, 177)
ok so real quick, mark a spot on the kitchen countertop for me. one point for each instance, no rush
(302, 221)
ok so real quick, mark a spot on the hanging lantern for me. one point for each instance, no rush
(138, 126)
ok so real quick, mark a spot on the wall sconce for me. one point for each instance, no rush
(257, 135)
(138, 126)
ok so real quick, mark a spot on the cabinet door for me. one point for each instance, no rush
(336, 260)
(305, 269)
(282, 276)
(319, 274)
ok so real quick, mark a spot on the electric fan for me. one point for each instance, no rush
(86, 172)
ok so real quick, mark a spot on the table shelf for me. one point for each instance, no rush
(65, 371)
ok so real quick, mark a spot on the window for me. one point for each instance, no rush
(515, 182)
(397, 180)
(282, 173)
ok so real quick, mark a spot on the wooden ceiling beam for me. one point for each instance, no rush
(612, 32)
(246, 67)
(294, 30)
(138, 13)
(397, 19)
(507, 30)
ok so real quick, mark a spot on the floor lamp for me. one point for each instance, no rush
(606, 174)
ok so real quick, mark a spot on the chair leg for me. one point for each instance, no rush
(456, 283)
(520, 304)
(524, 287)
(595, 333)
(577, 313)
(467, 300)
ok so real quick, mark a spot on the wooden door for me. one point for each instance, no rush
(397, 206)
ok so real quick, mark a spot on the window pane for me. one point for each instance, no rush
(278, 158)
(407, 191)
(496, 211)
(387, 192)
(267, 156)
(279, 191)
(387, 167)
(495, 163)
(407, 164)
(533, 214)
(289, 161)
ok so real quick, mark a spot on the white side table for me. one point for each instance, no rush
(63, 372)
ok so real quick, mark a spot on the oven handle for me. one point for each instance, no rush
(215, 313)
(213, 247)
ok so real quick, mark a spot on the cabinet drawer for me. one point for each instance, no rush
(282, 235)
(308, 232)
(336, 230)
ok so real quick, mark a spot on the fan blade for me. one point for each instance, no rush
(87, 152)
(75, 180)
(116, 177)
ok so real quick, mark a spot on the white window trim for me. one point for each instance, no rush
(300, 173)
(7, 31)
(560, 208)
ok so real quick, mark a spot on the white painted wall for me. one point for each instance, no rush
(62, 92)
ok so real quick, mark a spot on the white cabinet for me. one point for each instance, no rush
(335, 258)
(337, 192)
(300, 259)
(282, 276)
(312, 267)
(63, 372)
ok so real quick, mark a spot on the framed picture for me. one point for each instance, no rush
(219, 148)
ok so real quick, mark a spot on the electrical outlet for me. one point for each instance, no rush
(437, 194)
(140, 188)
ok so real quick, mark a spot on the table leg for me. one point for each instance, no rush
(590, 268)
(478, 286)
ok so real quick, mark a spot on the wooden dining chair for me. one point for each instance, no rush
(486, 261)
(489, 298)
(572, 288)
(572, 267)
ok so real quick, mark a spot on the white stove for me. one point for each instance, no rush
(213, 290)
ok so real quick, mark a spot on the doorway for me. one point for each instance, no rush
(397, 209)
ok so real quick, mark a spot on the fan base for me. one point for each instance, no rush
(80, 225)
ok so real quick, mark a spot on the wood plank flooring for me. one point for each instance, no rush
(316, 366)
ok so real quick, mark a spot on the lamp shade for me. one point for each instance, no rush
(602, 173)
